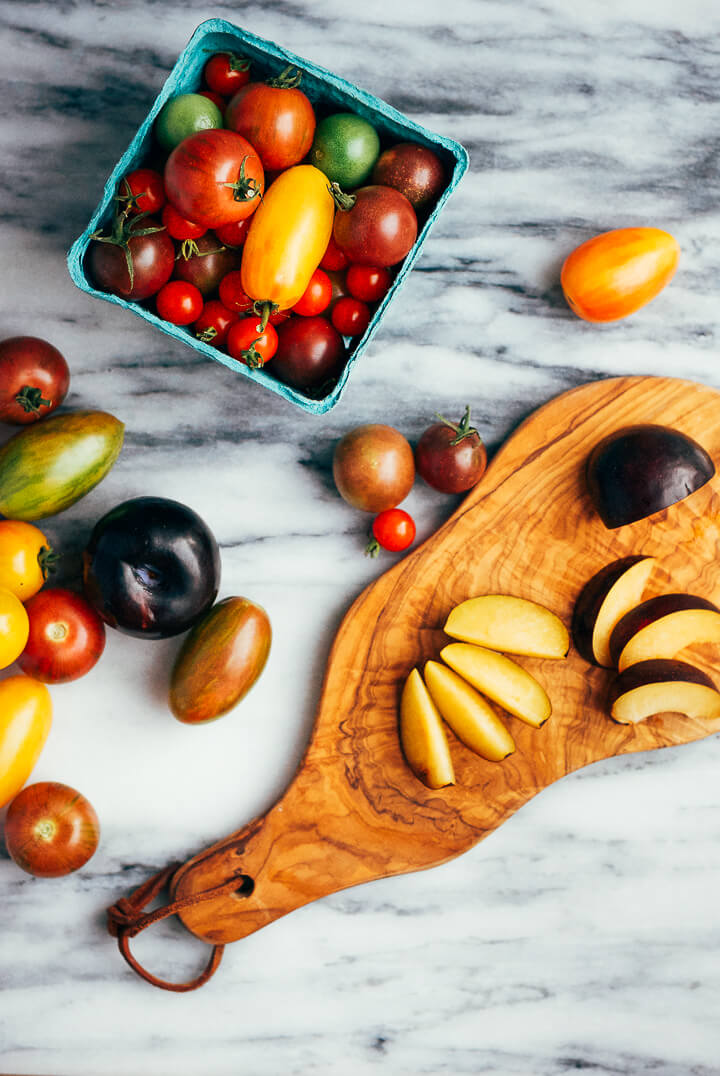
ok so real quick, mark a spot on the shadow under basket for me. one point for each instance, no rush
(328, 93)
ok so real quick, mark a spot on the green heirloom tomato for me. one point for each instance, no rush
(184, 115)
(345, 149)
(220, 660)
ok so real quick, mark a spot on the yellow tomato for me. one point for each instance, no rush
(25, 555)
(25, 719)
(288, 236)
(14, 628)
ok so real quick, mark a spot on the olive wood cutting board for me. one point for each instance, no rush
(355, 811)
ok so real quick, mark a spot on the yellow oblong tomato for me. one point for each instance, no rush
(288, 236)
(25, 720)
(617, 272)
(14, 628)
(25, 558)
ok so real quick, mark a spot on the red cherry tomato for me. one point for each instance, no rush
(179, 303)
(145, 189)
(178, 226)
(249, 343)
(226, 73)
(213, 324)
(232, 293)
(393, 530)
(350, 317)
(235, 233)
(51, 829)
(34, 379)
(67, 637)
(333, 258)
(277, 119)
(451, 457)
(368, 282)
(316, 296)
(217, 99)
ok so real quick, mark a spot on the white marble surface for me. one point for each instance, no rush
(583, 934)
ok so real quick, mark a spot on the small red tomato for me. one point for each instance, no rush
(232, 293)
(368, 282)
(235, 233)
(213, 324)
(393, 530)
(34, 379)
(145, 189)
(248, 342)
(179, 303)
(451, 458)
(178, 226)
(310, 353)
(217, 99)
(316, 296)
(225, 73)
(350, 317)
(67, 637)
(51, 830)
(333, 258)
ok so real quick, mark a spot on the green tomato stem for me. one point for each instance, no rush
(31, 399)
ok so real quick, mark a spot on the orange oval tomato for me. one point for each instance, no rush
(617, 272)
(288, 236)
(25, 558)
(25, 719)
(14, 628)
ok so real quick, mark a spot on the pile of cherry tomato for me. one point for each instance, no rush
(265, 229)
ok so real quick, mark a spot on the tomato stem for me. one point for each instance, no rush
(244, 189)
(207, 335)
(47, 559)
(288, 79)
(31, 399)
(372, 548)
(123, 230)
(343, 201)
(252, 357)
(264, 308)
(463, 429)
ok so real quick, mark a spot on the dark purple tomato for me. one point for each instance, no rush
(152, 257)
(379, 229)
(451, 457)
(209, 263)
(413, 170)
(310, 352)
(151, 568)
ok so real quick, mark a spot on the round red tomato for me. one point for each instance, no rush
(232, 293)
(214, 177)
(451, 457)
(276, 118)
(213, 324)
(179, 303)
(151, 260)
(333, 258)
(350, 317)
(67, 637)
(310, 353)
(143, 190)
(34, 379)
(393, 530)
(316, 296)
(51, 829)
(379, 227)
(373, 467)
(226, 73)
(178, 226)
(207, 264)
(368, 282)
(248, 342)
(235, 233)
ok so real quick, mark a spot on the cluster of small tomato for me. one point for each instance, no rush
(262, 273)
(53, 634)
(374, 468)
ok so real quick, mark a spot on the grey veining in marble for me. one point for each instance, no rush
(584, 934)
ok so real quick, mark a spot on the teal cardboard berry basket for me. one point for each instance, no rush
(327, 92)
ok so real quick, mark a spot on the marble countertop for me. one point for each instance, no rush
(583, 934)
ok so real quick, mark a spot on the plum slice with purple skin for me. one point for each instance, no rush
(663, 686)
(663, 626)
(604, 600)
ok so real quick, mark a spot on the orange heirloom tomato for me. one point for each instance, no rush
(288, 236)
(25, 558)
(616, 273)
(25, 719)
(14, 628)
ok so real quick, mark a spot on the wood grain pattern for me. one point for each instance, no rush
(355, 811)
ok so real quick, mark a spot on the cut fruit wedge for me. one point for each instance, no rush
(663, 626)
(657, 687)
(603, 601)
(501, 679)
(468, 714)
(513, 625)
(422, 735)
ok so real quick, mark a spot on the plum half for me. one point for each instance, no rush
(663, 686)
(639, 470)
(604, 600)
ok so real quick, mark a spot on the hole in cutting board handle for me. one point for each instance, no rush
(246, 887)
